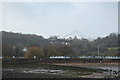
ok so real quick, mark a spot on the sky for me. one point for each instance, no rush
(83, 19)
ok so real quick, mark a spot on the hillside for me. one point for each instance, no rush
(82, 46)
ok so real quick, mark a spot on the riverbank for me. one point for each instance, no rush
(57, 70)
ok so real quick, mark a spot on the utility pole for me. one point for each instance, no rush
(98, 51)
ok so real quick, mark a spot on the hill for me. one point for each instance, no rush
(14, 43)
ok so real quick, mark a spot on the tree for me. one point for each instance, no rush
(50, 50)
(17, 50)
(34, 51)
(66, 50)
(7, 50)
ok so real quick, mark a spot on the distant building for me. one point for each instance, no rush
(13, 56)
(34, 56)
(25, 49)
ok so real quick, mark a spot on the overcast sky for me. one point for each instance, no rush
(88, 19)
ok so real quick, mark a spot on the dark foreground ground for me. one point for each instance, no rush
(59, 70)
(31, 76)
(10, 75)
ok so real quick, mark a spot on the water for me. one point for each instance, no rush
(106, 71)
(28, 70)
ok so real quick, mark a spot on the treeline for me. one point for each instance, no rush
(50, 50)
(16, 44)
